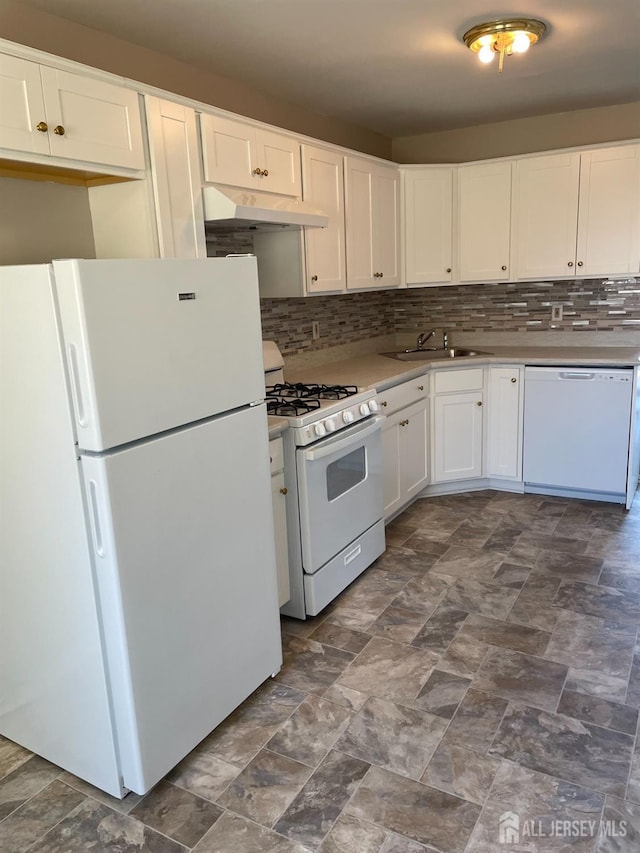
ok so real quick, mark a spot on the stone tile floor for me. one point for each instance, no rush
(488, 663)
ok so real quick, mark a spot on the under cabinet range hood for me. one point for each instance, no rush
(227, 205)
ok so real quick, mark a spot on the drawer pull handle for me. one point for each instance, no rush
(284, 490)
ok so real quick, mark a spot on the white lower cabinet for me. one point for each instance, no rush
(457, 426)
(504, 423)
(278, 497)
(405, 443)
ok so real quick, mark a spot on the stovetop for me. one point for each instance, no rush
(314, 411)
(296, 399)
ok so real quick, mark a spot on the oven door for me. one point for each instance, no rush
(339, 491)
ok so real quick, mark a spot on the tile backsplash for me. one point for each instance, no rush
(594, 305)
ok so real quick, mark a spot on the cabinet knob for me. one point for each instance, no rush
(448, 269)
(314, 278)
(265, 173)
(284, 490)
(503, 267)
(383, 402)
(580, 264)
(513, 379)
(42, 126)
(479, 403)
(257, 171)
(58, 130)
(420, 387)
(570, 264)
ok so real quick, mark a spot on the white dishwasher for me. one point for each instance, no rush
(576, 431)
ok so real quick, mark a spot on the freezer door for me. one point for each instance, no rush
(155, 344)
(184, 547)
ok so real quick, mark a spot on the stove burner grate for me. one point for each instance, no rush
(290, 407)
(299, 391)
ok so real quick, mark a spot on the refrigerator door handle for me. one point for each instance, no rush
(98, 540)
(75, 385)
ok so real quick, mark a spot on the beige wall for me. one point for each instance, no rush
(521, 136)
(25, 25)
(40, 220)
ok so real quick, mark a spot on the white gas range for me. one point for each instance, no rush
(333, 474)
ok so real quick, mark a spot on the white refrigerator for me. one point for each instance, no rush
(138, 596)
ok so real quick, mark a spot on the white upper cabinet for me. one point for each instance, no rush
(48, 111)
(579, 214)
(372, 203)
(484, 221)
(177, 183)
(323, 186)
(242, 155)
(428, 224)
(546, 215)
(609, 212)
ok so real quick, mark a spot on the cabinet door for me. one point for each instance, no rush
(359, 191)
(609, 211)
(323, 186)
(278, 157)
(100, 121)
(391, 464)
(484, 204)
(457, 431)
(22, 106)
(428, 206)
(414, 448)
(278, 495)
(177, 183)
(228, 150)
(505, 423)
(546, 215)
(386, 226)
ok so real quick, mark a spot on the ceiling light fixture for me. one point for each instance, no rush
(504, 37)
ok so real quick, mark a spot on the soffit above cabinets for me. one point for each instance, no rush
(395, 68)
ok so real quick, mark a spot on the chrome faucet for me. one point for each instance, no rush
(423, 338)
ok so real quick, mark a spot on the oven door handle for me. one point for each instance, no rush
(330, 447)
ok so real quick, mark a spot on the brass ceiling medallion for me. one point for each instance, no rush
(504, 37)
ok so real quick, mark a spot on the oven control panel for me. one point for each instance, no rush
(326, 424)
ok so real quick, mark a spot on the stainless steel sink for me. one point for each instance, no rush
(430, 355)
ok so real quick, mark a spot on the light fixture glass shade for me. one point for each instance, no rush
(504, 37)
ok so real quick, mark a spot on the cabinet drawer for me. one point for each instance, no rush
(276, 455)
(446, 381)
(403, 395)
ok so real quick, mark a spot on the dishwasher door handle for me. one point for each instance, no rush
(574, 375)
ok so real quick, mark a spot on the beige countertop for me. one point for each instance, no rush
(380, 372)
(277, 426)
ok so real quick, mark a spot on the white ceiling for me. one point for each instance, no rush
(397, 67)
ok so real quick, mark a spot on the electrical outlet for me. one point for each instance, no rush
(315, 330)
(556, 313)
